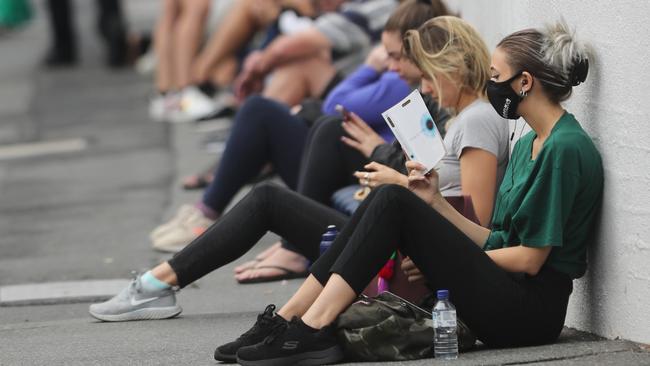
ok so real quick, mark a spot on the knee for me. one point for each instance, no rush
(328, 127)
(391, 192)
(195, 9)
(265, 192)
(258, 106)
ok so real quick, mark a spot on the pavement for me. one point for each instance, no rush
(79, 215)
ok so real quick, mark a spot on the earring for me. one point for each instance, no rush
(523, 93)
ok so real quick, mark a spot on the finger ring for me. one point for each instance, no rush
(366, 176)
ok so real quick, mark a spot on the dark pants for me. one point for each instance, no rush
(266, 208)
(503, 309)
(110, 24)
(63, 35)
(327, 164)
(264, 131)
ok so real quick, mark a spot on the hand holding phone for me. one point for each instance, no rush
(358, 135)
(344, 112)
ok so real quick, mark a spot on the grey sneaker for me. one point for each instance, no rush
(134, 303)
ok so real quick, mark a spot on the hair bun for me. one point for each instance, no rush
(564, 53)
(579, 71)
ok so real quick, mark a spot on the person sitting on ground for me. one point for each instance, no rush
(366, 74)
(177, 39)
(328, 163)
(266, 131)
(301, 63)
(511, 284)
(301, 220)
(214, 68)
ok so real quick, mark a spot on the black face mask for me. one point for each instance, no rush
(504, 100)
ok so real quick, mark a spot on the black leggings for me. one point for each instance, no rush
(327, 165)
(503, 309)
(266, 208)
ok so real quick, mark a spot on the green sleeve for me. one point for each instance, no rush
(546, 207)
(494, 241)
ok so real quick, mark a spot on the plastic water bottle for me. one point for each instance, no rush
(328, 238)
(445, 338)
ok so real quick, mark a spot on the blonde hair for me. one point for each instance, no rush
(450, 47)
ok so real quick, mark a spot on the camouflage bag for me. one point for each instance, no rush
(389, 328)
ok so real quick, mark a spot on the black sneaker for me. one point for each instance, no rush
(265, 323)
(293, 343)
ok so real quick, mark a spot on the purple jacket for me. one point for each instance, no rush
(368, 93)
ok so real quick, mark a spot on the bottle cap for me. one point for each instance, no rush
(442, 294)
(330, 234)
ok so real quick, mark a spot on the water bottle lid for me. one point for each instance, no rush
(331, 233)
(442, 294)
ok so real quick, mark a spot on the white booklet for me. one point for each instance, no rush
(416, 130)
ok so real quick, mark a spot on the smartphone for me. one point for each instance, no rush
(344, 112)
(408, 303)
(405, 303)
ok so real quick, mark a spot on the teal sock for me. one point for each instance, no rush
(151, 283)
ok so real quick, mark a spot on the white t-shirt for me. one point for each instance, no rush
(477, 126)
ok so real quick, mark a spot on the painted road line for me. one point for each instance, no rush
(60, 292)
(27, 150)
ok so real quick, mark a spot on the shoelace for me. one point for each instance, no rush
(263, 318)
(135, 285)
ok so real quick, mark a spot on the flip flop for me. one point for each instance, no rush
(248, 265)
(287, 275)
(198, 181)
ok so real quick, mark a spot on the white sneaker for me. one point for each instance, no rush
(194, 105)
(163, 107)
(181, 215)
(146, 64)
(173, 236)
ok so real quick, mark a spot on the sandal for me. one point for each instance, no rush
(259, 258)
(286, 274)
(199, 181)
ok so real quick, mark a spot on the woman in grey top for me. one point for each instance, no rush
(476, 140)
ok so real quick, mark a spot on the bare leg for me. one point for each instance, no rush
(292, 83)
(165, 273)
(302, 300)
(163, 46)
(187, 38)
(244, 19)
(333, 299)
(225, 71)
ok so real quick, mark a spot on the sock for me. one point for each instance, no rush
(207, 211)
(151, 283)
(208, 88)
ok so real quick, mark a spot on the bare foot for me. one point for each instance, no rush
(281, 262)
(260, 257)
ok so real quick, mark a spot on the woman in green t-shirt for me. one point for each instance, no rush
(510, 284)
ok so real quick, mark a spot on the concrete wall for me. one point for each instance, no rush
(613, 299)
